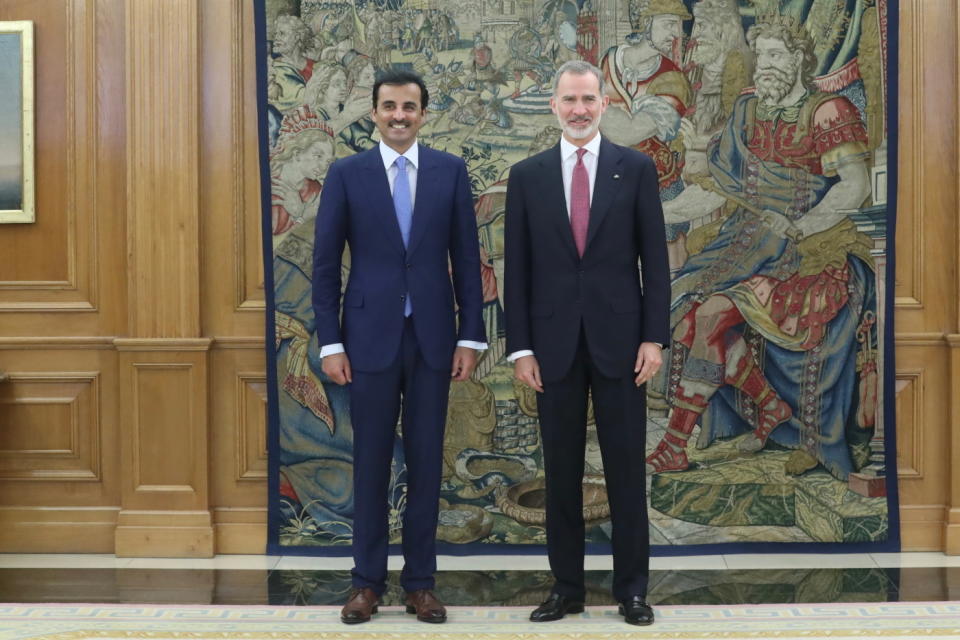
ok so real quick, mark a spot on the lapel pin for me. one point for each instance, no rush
(616, 176)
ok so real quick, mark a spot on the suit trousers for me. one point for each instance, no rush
(375, 404)
(620, 410)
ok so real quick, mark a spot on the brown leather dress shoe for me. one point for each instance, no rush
(426, 605)
(360, 606)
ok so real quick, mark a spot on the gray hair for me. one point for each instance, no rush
(578, 68)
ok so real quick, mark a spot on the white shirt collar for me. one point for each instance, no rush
(390, 155)
(568, 149)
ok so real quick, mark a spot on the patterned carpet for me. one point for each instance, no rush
(77, 622)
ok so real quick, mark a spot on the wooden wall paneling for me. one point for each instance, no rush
(233, 295)
(927, 196)
(42, 258)
(908, 287)
(233, 300)
(163, 401)
(238, 464)
(926, 245)
(164, 449)
(162, 157)
(923, 444)
(58, 448)
(51, 278)
(52, 426)
(952, 529)
(951, 537)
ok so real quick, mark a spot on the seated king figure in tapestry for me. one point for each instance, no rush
(773, 320)
(648, 92)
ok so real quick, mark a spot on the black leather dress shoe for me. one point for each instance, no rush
(635, 610)
(555, 607)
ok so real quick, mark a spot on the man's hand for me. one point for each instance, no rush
(527, 371)
(337, 368)
(464, 360)
(781, 225)
(649, 359)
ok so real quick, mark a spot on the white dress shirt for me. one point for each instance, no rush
(389, 157)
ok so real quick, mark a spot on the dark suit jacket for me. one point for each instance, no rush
(550, 291)
(356, 207)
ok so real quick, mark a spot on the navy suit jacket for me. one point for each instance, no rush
(550, 291)
(356, 208)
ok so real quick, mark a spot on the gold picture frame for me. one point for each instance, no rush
(17, 204)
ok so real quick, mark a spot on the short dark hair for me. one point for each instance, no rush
(400, 77)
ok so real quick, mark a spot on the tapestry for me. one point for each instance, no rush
(770, 425)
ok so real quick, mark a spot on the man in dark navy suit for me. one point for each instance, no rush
(579, 218)
(407, 213)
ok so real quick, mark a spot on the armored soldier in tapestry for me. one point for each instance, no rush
(767, 122)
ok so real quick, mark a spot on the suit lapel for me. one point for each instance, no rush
(605, 186)
(554, 197)
(419, 224)
(381, 197)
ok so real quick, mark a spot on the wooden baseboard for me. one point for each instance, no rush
(164, 534)
(240, 530)
(57, 529)
(921, 528)
(951, 533)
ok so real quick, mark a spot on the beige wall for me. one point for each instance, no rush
(131, 313)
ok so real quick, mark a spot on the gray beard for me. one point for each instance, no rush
(579, 134)
(772, 90)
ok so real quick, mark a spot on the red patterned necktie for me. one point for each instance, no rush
(580, 202)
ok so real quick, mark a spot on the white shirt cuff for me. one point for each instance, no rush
(516, 355)
(331, 349)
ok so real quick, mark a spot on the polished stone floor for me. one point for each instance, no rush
(479, 580)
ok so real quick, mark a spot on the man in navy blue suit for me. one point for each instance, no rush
(581, 320)
(407, 213)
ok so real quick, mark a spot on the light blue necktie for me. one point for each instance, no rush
(404, 209)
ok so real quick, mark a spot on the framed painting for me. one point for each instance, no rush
(16, 122)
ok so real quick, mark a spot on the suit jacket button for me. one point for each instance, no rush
(402, 298)
(409, 266)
